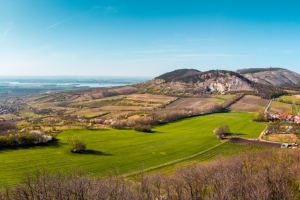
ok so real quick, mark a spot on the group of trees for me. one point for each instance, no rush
(261, 116)
(259, 175)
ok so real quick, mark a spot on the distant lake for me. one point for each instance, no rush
(91, 85)
(92, 82)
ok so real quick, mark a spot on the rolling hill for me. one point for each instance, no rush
(190, 82)
(271, 76)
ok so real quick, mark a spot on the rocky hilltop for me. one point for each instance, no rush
(190, 82)
(271, 76)
(194, 82)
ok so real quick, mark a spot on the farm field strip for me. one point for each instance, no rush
(223, 150)
(150, 97)
(280, 107)
(249, 103)
(125, 150)
(183, 103)
(294, 109)
(289, 99)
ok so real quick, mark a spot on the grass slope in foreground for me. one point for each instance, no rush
(125, 150)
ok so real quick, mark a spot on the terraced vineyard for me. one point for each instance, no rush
(128, 150)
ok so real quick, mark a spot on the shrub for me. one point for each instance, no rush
(77, 145)
(143, 128)
(222, 131)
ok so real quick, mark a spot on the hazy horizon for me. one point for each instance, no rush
(145, 38)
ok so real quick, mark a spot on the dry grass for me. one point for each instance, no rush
(150, 98)
(282, 138)
(89, 112)
(125, 108)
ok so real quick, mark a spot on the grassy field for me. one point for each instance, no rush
(126, 150)
(249, 103)
(289, 99)
(279, 107)
(294, 109)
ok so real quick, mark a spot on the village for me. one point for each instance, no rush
(284, 117)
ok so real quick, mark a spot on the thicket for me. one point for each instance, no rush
(15, 139)
(222, 131)
(10, 136)
(261, 175)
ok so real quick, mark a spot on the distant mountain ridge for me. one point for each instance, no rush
(271, 76)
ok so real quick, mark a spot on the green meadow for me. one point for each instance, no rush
(127, 151)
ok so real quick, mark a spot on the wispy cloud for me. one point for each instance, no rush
(111, 9)
(70, 18)
(206, 55)
(156, 51)
(7, 29)
(286, 51)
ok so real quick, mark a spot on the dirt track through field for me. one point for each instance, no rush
(254, 143)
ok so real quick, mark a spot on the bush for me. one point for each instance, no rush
(222, 131)
(77, 145)
(143, 128)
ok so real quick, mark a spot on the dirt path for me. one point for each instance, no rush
(268, 106)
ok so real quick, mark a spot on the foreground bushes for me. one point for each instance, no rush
(262, 175)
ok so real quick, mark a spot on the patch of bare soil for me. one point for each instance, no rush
(254, 143)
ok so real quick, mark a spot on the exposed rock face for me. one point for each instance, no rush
(197, 83)
(271, 76)
(225, 83)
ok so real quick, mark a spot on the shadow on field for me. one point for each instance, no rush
(154, 132)
(98, 153)
(54, 143)
(237, 134)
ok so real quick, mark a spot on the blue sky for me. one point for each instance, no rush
(145, 37)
